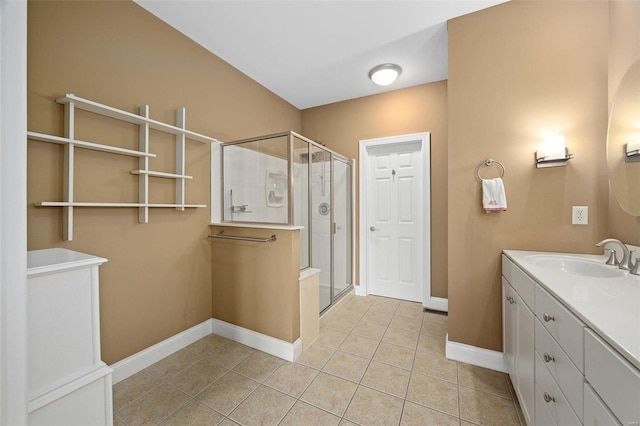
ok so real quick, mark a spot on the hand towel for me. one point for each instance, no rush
(494, 198)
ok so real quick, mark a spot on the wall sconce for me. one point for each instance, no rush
(554, 153)
(632, 149)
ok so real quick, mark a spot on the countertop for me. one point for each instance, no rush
(609, 306)
(58, 259)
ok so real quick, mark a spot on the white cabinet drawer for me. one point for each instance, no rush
(615, 380)
(565, 328)
(557, 362)
(595, 412)
(543, 414)
(553, 397)
(521, 282)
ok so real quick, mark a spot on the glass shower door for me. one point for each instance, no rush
(342, 235)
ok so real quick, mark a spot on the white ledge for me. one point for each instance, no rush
(259, 226)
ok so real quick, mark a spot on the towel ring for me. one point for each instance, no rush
(487, 163)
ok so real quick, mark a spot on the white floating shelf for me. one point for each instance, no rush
(117, 114)
(83, 204)
(160, 174)
(87, 145)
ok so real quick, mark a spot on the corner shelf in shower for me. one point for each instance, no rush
(71, 103)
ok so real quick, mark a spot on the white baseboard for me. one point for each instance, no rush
(486, 358)
(437, 304)
(146, 357)
(360, 290)
(262, 342)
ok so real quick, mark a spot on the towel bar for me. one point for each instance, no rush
(221, 234)
(487, 163)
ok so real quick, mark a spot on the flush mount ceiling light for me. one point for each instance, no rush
(385, 74)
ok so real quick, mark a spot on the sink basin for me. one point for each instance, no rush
(576, 266)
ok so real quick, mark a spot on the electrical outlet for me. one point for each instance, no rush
(580, 215)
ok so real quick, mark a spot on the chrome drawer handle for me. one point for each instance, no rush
(546, 317)
(548, 398)
(548, 358)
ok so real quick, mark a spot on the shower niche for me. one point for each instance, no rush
(287, 179)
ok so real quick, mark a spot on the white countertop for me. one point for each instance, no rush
(58, 259)
(609, 306)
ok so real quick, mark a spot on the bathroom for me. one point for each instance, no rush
(510, 85)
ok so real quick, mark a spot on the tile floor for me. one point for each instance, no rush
(377, 361)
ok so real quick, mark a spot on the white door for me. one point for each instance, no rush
(395, 221)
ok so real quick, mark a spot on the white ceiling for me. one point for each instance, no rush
(316, 52)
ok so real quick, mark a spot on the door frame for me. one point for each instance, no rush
(424, 140)
(13, 212)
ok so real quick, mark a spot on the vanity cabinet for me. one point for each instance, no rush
(518, 336)
(578, 378)
(68, 384)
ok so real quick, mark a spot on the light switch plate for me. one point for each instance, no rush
(580, 215)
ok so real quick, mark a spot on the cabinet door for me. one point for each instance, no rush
(509, 329)
(525, 352)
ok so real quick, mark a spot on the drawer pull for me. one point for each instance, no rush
(548, 398)
(546, 317)
(548, 358)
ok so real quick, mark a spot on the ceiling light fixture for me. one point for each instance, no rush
(385, 74)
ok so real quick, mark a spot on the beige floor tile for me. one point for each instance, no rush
(173, 364)
(433, 329)
(207, 344)
(228, 422)
(435, 365)
(316, 356)
(381, 319)
(483, 379)
(360, 346)
(370, 407)
(369, 330)
(415, 311)
(258, 366)
(519, 412)
(417, 415)
(436, 318)
(330, 393)
(197, 377)
(194, 414)
(226, 393)
(398, 336)
(117, 421)
(432, 343)
(153, 407)
(304, 414)
(406, 323)
(486, 409)
(358, 303)
(340, 324)
(265, 406)
(345, 422)
(387, 378)
(331, 338)
(398, 356)
(132, 388)
(231, 354)
(346, 366)
(433, 393)
(382, 309)
(292, 378)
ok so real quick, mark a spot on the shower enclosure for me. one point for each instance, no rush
(287, 179)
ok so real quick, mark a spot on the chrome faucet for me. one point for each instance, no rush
(624, 263)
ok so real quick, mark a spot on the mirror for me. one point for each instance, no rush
(623, 141)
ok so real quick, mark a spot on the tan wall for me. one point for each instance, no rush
(519, 71)
(624, 50)
(158, 279)
(256, 284)
(417, 109)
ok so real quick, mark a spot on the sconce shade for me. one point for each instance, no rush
(385, 74)
(554, 153)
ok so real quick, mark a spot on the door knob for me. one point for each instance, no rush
(373, 228)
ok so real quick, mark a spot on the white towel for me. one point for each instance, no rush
(494, 198)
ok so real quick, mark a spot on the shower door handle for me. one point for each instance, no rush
(373, 228)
